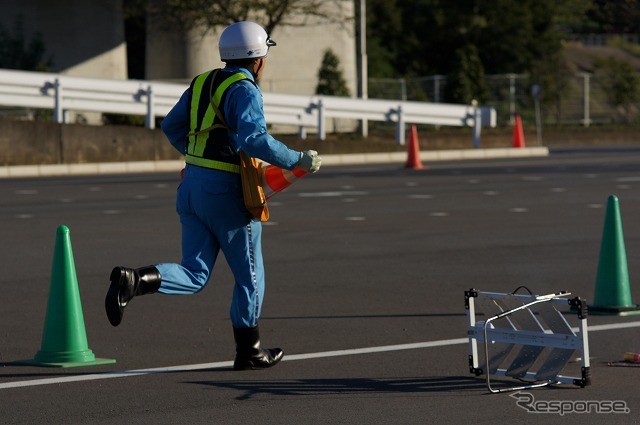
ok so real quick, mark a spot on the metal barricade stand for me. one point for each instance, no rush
(526, 338)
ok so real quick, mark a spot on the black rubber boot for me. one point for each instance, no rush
(249, 355)
(127, 283)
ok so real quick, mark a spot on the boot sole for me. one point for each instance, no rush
(250, 365)
(112, 301)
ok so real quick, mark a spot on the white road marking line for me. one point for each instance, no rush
(613, 326)
(109, 375)
(380, 349)
(292, 357)
(518, 210)
(331, 194)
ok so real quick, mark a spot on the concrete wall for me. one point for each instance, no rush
(86, 38)
(292, 66)
(294, 63)
(38, 142)
(82, 38)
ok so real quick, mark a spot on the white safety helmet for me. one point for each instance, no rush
(244, 40)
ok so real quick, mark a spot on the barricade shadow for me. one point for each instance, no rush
(365, 316)
(339, 387)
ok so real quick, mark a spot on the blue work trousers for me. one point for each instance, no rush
(214, 218)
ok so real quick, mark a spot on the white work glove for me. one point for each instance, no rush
(309, 161)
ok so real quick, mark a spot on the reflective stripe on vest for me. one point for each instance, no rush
(212, 163)
(199, 134)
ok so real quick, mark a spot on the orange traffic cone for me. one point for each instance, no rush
(518, 134)
(413, 151)
(275, 179)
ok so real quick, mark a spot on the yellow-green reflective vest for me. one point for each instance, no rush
(209, 144)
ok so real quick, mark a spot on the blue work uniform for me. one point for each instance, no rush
(210, 202)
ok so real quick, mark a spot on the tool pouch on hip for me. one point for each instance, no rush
(254, 198)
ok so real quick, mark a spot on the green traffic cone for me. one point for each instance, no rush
(64, 339)
(613, 293)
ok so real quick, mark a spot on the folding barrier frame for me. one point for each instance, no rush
(533, 346)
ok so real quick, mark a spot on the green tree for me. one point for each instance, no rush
(330, 79)
(571, 15)
(415, 36)
(16, 52)
(516, 36)
(614, 16)
(554, 78)
(420, 36)
(467, 81)
(209, 14)
(381, 54)
(620, 82)
(135, 30)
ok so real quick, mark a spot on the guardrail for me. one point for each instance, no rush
(153, 99)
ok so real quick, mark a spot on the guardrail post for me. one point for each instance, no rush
(400, 130)
(322, 131)
(150, 121)
(477, 124)
(58, 111)
(586, 112)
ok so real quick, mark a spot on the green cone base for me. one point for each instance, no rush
(62, 364)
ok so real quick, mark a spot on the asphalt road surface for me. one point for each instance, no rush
(366, 273)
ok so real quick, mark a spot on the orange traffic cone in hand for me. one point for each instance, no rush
(518, 133)
(275, 179)
(413, 151)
